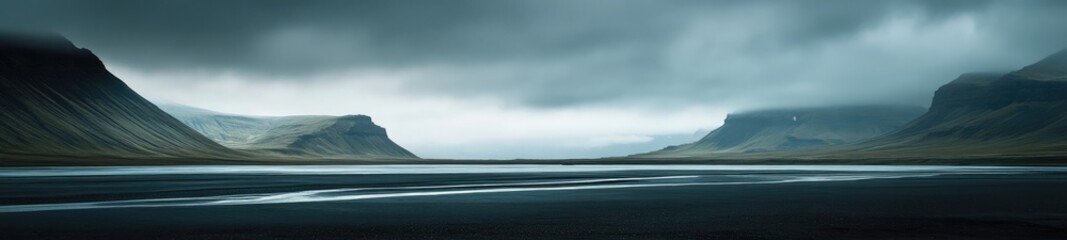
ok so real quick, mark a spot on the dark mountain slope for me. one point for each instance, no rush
(352, 136)
(1020, 112)
(57, 99)
(788, 129)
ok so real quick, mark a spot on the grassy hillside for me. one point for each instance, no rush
(1019, 113)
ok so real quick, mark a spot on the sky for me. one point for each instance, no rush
(490, 79)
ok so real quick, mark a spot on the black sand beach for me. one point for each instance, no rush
(847, 203)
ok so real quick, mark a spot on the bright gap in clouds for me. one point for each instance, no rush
(435, 126)
(489, 124)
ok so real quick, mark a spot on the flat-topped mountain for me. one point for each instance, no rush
(788, 129)
(351, 136)
(59, 100)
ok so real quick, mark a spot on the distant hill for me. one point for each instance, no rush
(789, 129)
(351, 136)
(59, 100)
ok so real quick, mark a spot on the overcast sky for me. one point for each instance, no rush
(544, 78)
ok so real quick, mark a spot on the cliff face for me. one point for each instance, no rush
(1022, 109)
(777, 130)
(352, 136)
(57, 99)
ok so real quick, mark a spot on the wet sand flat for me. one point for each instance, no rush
(536, 202)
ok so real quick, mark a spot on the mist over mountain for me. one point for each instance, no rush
(59, 100)
(1021, 112)
(788, 129)
(351, 136)
(452, 80)
(978, 115)
(533, 119)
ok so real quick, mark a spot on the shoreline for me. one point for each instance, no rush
(44, 161)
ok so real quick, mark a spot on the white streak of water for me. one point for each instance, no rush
(351, 194)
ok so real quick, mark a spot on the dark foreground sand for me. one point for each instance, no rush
(970, 206)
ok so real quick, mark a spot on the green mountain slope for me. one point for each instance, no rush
(1022, 112)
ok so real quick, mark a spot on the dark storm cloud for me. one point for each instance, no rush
(239, 33)
(272, 36)
(562, 53)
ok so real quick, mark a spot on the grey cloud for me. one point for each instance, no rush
(562, 53)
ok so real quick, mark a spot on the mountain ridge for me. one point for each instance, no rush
(1017, 112)
(60, 100)
(788, 129)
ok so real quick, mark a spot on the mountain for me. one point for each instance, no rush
(1022, 112)
(789, 129)
(59, 100)
(351, 136)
